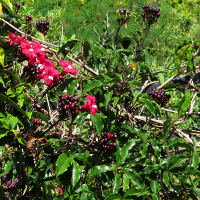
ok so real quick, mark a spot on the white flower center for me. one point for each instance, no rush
(50, 78)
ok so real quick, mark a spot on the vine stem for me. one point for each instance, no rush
(52, 45)
(142, 42)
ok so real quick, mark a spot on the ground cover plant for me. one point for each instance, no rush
(99, 100)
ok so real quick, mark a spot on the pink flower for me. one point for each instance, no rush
(14, 38)
(67, 67)
(91, 106)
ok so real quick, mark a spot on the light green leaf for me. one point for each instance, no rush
(76, 173)
(97, 170)
(108, 97)
(2, 55)
(117, 183)
(99, 123)
(8, 5)
(125, 151)
(62, 164)
(166, 178)
(155, 186)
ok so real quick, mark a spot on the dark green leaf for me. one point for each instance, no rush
(176, 161)
(150, 106)
(69, 44)
(90, 86)
(134, 177)
(185, 104)
(13, 104)
(113, 197)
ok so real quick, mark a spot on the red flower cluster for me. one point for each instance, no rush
(91, 106)
(37, 56)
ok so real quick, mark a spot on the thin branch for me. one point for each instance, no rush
(170, 79)
(142, 42)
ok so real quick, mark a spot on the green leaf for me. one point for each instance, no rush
(108, 97)
(176, 161)
(97, 170)
(166, 178)
(175, 142)
(8, 5)
(155, 186)
(2, 55)
(62, 164)
(150, 106)
(151, 168)
(117, 183)
(134, 177)
(99, 123)
(8, 167)
(113, 197)
(72, 87)
(90, 86)
(195, 160)
(13, 104)
(2, 81)
(13, 122)
(76, 173)
(185, 104)
(115, 101)
(69, 44)
(125, 151)
(136, 192)
(190, 58)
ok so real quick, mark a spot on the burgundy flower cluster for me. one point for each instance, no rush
(151, 14)
(28, 19)
(159, 96)
(68, 103)
(42, 26)
(107, 141)
(36, 55)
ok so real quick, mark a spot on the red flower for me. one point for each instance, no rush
(60, 191)
(67, 67)
(91, 106)
(14, 38)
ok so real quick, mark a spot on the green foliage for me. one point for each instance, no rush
(132, 148)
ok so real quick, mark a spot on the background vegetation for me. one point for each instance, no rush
(157, 146)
